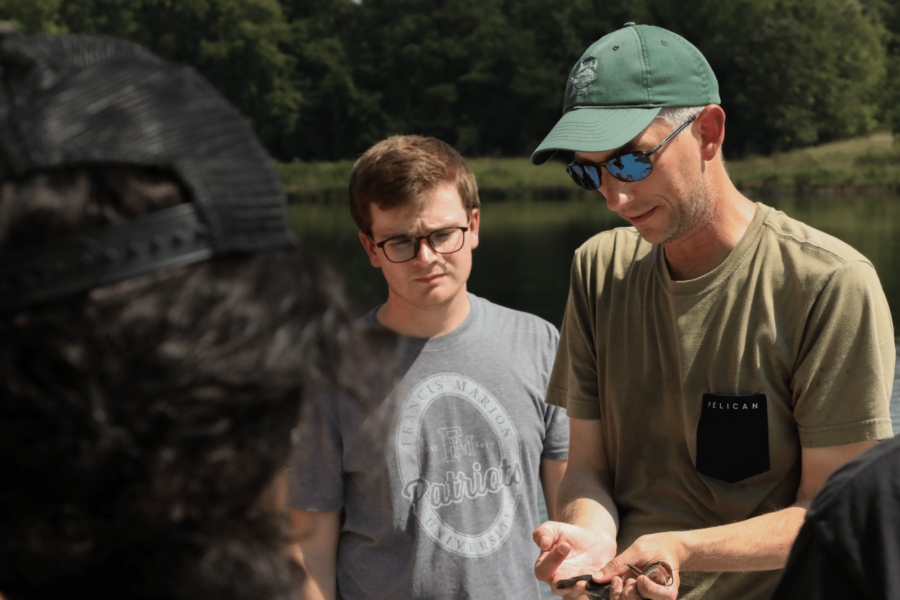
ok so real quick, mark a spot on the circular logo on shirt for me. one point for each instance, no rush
(460, 464)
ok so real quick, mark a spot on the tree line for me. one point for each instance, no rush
(325, 79)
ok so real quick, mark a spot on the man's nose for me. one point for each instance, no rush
(617, 193)
(425, 253)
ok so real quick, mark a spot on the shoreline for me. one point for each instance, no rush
(863, 166)
(562, 194)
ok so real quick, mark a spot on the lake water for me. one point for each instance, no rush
(526, 249)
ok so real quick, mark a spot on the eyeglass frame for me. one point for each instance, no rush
(419, 239)
(596, 166)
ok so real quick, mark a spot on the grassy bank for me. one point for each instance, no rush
(850, 166)
(859, 165)
(498, 179)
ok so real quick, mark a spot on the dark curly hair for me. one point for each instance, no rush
(143, 423)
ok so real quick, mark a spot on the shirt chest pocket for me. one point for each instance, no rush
(733, 437)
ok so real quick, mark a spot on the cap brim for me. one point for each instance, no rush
(594, 130)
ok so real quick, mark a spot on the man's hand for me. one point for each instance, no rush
(646, 550)
(642, 588)
(568, 551)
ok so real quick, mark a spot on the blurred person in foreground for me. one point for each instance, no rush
(444, 507)
(849, 545)
(718, 359)
(159, 329)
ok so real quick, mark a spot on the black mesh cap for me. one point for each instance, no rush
(70, 100)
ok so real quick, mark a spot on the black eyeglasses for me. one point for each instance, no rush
(632, 166)
(404, 247)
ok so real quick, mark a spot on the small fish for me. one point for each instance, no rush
(660, 572)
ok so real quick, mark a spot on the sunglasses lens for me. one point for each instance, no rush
(586, 176)
(633, 166)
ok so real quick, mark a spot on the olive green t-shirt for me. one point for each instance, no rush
(707, 389)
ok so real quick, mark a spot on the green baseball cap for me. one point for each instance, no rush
(620, 84)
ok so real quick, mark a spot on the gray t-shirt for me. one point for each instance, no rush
(444, 506)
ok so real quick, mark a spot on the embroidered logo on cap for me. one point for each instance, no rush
(586, 75)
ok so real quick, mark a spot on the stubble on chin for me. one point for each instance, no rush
(694, 212)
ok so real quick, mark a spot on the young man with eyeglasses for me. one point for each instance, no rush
(443, 504)
(718, 359)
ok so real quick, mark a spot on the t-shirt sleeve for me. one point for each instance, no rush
(315, 467)
(845, 371)
(574, 380)
(556, 440)
(556, 423)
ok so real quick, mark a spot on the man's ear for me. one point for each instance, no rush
(474, 221)
(369, 244)
(712, 131)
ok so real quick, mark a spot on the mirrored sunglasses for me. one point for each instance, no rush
(628, 167)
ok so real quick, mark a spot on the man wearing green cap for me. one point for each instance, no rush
(718, 359)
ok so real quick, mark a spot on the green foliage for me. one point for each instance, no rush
(488, 75)
(888, 13)
(791, 72)
(236, 44)
(484, 75)
(336, 117)
(32, 15)
(325, 79)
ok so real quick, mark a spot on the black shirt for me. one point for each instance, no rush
(849, 546)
